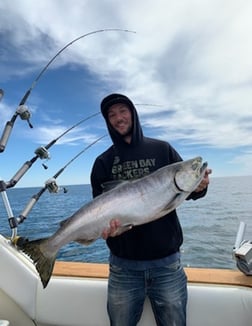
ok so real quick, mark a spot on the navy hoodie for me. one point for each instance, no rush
(123, 161)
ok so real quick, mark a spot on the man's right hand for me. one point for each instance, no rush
(111, 231)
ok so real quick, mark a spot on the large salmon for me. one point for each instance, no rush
(131, 202)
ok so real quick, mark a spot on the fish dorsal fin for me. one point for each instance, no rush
(106, 186)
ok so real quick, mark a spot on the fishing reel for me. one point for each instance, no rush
(24, 114)
(52, 186)
(43, 154)
(243, 252)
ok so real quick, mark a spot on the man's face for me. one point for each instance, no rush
(120, 118)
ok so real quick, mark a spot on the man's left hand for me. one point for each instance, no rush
(205, 181)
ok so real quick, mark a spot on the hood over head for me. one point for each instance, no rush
(117, 139)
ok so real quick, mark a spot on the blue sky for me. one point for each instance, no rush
(187, 68)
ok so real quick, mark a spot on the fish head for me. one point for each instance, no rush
(189, 174)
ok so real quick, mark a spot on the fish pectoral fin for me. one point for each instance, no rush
(123, 228)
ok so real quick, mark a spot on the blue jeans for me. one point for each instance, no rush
(166, 288)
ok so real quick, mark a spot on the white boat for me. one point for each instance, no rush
(76, 294)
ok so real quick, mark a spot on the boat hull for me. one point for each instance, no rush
(76, 294)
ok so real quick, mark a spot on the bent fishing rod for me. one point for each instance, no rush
(22, 109)
(52, 187)
(42, 153)
(1, 94)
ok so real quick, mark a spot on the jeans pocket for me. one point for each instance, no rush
(115, 269)
(176, 265)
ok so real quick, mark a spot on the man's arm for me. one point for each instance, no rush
(96, 178)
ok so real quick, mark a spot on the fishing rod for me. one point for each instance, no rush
(1, 94)
(22, 109)
(42, 153)
(8, 209)
(52, 187)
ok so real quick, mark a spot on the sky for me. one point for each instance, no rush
(185, 64)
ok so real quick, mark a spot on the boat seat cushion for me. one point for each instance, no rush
(76, 302)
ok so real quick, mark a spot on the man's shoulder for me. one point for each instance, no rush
(155, 142)
(163, 148)
(107, 153)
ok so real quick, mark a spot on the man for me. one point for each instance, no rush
(144, 261)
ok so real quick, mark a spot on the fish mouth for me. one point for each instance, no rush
(203, 167)
(198, 166)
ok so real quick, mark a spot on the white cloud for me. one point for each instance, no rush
(191, 57)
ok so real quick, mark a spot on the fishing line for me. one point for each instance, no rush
(42, 153)
(149, 104)
(22, 109)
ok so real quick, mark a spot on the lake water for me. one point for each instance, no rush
(210, 224)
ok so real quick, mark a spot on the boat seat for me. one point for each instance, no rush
(208, 305)
(214, 305)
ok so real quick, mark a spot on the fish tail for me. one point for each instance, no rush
(43, 259)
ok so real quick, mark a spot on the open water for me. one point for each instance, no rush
(210, 224)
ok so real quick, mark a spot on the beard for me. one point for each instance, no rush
(128, 132)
